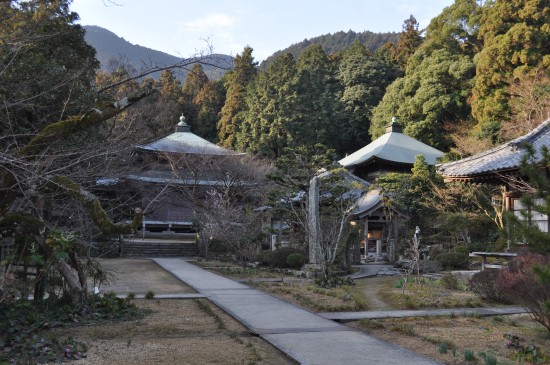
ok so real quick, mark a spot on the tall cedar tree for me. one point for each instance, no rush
(243, 73)
(193, 84)
(209, 103)
(516, 41)
(364, 78)
(270, 109)
(409, 40)
(318, 107)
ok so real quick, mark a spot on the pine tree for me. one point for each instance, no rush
(169, 86)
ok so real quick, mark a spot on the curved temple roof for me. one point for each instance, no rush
(393, 146)
(184, 141)
(505, 157)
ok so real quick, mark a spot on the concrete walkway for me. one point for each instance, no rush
(355, 316)
(303, 335)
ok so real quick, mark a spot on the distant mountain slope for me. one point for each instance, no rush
(108, 45)
(339, 41)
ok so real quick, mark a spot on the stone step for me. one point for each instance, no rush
(159, 249)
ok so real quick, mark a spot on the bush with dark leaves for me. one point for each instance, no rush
(483, 284)
(453, 260)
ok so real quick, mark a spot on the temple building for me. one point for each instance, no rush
(501, 166)
(168, 178)
(182, 162)
(391, 152)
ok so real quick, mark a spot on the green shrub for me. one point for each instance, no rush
(483, 284)
(469, 355)
(453, 260)
(278, 257)
(150, 295)
(23, 325)
(295, 260)
(461, 249)
(449, 281)
(490, 360)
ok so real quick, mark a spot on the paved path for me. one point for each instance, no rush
(166, 296)
(354, 316)
(367, 270)
(303, 335)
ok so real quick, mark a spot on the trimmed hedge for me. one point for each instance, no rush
(278, 257)
(295, 260)
(453, 260)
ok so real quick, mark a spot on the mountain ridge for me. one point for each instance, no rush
(338, 41)
(110, 46)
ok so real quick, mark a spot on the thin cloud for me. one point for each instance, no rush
(210, 21)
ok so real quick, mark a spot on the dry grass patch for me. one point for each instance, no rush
(447, 338)
(429, 294)
(174, 332)
(310, 296)
(234, 271)
(151, 277)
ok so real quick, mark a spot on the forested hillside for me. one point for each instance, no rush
(339, 41)
(476, 77)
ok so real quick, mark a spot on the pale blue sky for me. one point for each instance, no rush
(181, 27)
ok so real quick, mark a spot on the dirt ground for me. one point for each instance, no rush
(484, 336)
(139, 276)
(189, 331)
(175, 332)
(197, 332)
(370, 289)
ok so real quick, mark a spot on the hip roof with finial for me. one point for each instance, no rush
(183, 141)
(393, 146)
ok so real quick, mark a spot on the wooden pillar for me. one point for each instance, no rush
(366, 237)
(378, 249)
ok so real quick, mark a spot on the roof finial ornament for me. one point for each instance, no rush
(182, 120)
(182, 126)
(394, 126)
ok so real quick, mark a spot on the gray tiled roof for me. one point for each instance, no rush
(185, 142)
(505, 157)
(368, 203)
(393, 146)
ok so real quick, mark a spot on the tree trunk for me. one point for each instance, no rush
(82, 278)
(40, 283)
(76, 292)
